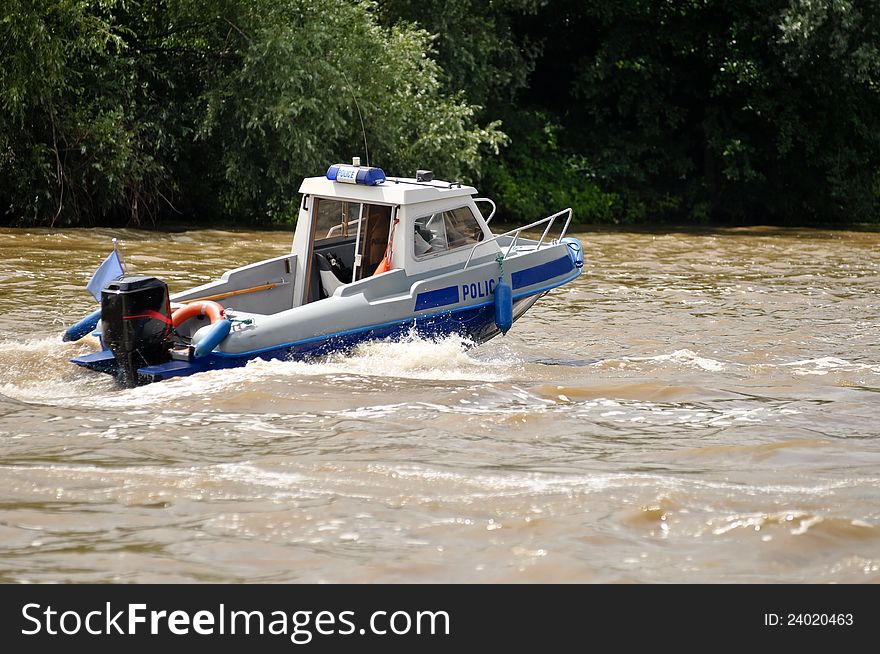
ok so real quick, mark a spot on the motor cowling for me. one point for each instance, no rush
(136, 319)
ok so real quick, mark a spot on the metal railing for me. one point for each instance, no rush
(492, 213)
(516, 232)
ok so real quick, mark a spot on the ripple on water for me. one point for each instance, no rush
(695, 407)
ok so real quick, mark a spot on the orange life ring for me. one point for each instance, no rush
(213, 310)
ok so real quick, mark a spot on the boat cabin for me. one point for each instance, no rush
(355, 224)
(360, 232)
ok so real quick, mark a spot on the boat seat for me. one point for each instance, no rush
(422, 238)
(329, 281)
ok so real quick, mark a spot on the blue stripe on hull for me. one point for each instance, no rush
(541, 273)
(450, 295)
(439, 298)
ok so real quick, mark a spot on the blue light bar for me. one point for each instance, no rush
(356, 174)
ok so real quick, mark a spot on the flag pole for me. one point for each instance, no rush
(118, 253)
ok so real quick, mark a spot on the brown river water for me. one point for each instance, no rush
(696, 407)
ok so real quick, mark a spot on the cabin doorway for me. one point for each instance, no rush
(348, 243)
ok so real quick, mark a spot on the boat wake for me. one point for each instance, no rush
(825, 365)
(689, 359)
(37, 371)
(684, 358)
(416, 357)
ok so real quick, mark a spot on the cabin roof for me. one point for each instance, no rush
(395, 190)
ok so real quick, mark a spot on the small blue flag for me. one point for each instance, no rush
(107, 272)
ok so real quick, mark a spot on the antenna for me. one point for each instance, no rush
(358, 107)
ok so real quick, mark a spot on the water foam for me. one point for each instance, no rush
(38, 371)
(416, 357)
(691, 359)
(684, 357)
(688, 358)
(41, 371)
(825, 365)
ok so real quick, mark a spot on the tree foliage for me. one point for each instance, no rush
(137, 111)
(485, 49)
(71, 138)
(741, 110)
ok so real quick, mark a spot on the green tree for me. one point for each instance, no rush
(489, 50)
(484, 48)
(126, 111)
(739, 110)
(73, 145)
(305, 78)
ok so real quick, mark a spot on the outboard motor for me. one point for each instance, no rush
(136, 314)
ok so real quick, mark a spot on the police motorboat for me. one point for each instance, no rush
(372, 258)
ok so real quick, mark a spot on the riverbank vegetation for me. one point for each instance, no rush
(147, 112)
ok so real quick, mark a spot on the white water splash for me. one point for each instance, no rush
(825, 365)
(38, 371)
(684, 357)
(415, 357)
(690, 358)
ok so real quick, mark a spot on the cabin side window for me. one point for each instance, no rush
(334, 218)
(445, 230)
